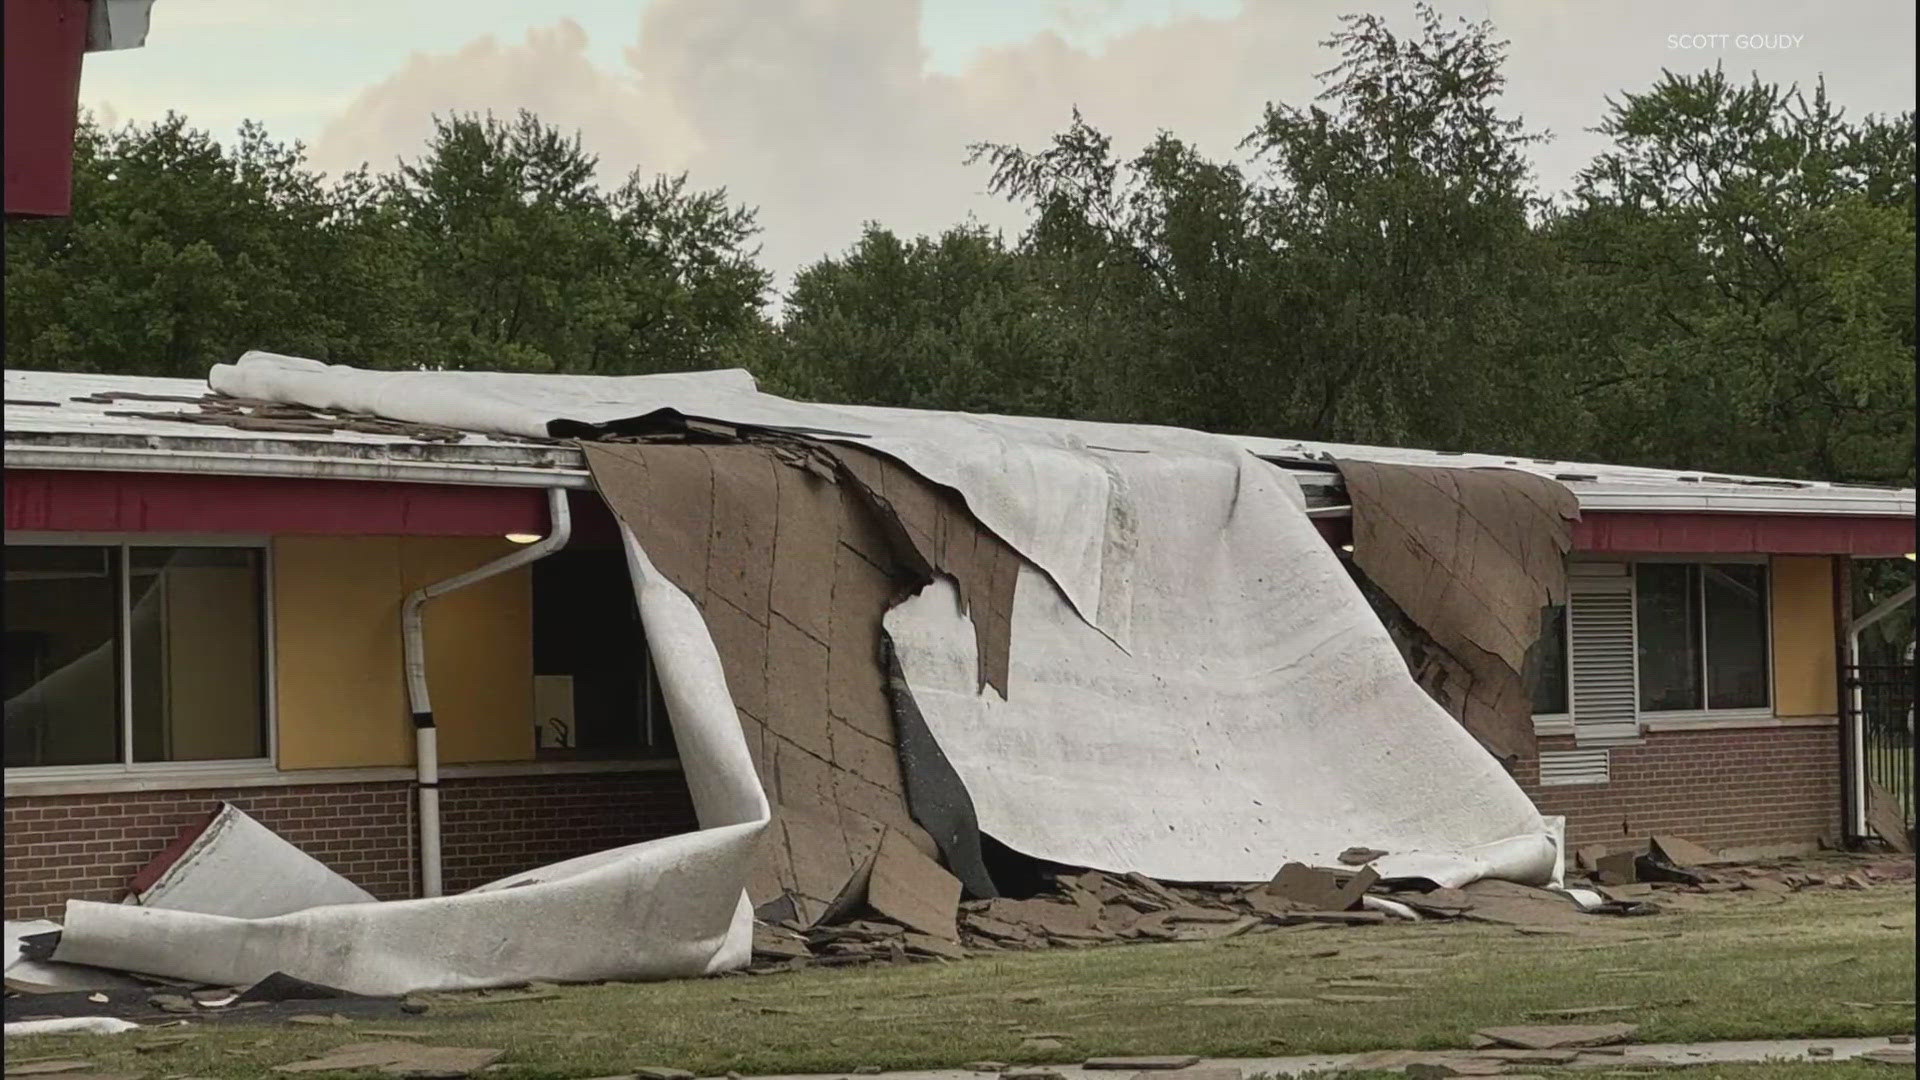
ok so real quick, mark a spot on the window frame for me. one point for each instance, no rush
(1704, 713)
(1563, 723)
(124, 543)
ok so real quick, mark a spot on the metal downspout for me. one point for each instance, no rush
(413, 638)
(1855, 722)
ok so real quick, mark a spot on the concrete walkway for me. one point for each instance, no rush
(1627, 1057)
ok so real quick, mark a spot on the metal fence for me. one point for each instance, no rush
(1880, 696)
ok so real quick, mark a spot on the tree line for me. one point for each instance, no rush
(1728, 286)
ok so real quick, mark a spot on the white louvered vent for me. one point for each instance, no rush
(1601, 657)
(1562, 767)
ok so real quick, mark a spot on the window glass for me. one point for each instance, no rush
(1546, 664)
(1736, 602)
(196, 637)
(185, 639)
(63, 687)
(1667, 628)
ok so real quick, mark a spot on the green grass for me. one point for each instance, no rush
(1733, 966)
(1772, 1070)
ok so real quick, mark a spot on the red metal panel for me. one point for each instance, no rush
(193, 503)
(1745, 534)
(45, 40)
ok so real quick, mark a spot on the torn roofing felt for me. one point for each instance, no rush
(793, 553)
(1469, 558)
(992, 461)
(1259, 715)
(935, 793)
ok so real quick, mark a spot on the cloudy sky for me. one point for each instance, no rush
(827, 113)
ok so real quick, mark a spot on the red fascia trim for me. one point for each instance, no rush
(1744, 534)
(45, 40)
(38, 501)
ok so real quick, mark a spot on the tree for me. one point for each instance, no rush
(1157, 265)
(180, 254)
(1743, 259)
(522, 263)
(1403, 204)
(496, 249)
(1374, 280)
(956, 322)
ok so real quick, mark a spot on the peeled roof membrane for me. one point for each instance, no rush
(1259, 715)
(1198, 690)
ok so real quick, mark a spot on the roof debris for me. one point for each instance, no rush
(249, 415)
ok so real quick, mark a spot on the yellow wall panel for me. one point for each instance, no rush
(1804, 659)
(342, 701)
(479, 649)
(340, 672)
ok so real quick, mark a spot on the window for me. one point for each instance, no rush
(121, 655)
(1701, 636)
(1546, 664)
(1651, 637)
(595, 693)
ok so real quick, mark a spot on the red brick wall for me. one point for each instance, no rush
(1734, 787)
(492, 828)
(86, 847)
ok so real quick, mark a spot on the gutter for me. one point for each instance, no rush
(413, 639)
(89, 459)
(1817, 502)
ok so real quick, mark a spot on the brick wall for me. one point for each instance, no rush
(1735, 787)
(86, 847)
(492, 828)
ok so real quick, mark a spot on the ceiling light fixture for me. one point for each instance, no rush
(523, 538)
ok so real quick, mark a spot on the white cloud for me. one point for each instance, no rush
(825, 113)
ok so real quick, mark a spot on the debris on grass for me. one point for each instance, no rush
(47, 1067)
(401, 1059)
(1559, 1036)
(1142, 1064)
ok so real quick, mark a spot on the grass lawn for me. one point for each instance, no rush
(1759, 1071)
(1729, 966)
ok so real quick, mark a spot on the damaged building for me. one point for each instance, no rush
(480, 640)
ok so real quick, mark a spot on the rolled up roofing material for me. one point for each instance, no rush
(661, 909)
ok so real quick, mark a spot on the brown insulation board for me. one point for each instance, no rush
(1469, 557)
(793, 563)
(931, 529)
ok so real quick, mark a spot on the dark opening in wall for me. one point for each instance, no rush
(595, 691)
